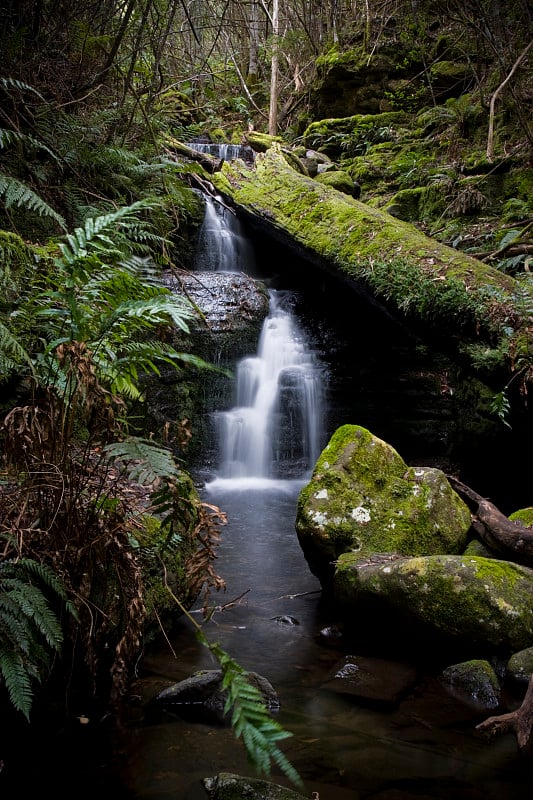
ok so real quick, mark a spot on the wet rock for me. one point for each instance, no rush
(474, 683)
(227, 786)
(201, 696)
(372, 680)
(286, 619)
(520, 667)
(465, 601)
(363, 500)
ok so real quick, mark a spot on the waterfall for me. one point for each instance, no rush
(275, 429)
(221, 244)
(226, 152)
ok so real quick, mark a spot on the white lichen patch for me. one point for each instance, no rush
(319, 517)
(360, 514)
(321, 495)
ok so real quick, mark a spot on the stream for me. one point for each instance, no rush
(271, 617)
(289, 396)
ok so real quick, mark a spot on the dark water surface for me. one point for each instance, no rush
(424, 747)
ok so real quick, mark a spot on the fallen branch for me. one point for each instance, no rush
(510, 539)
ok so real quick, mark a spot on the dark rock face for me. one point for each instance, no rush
(231, 310)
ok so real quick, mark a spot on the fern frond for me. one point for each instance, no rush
(250, 718)
(14, 192)
(22, 86)
(17, 681)
(12, 354)
(29, 630)
(145, 461)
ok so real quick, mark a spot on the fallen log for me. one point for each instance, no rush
(510, 539)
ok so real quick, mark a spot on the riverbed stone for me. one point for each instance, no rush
(363, 499)
(474, 683)
(229, 786)
(520, 666)
(479, 604)
(374, 681)
(203, 695)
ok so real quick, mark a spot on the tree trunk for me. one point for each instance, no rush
(273, 114)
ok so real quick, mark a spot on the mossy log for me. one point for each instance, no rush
(467, 304)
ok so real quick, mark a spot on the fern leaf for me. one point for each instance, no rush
(145, 460)
(251, 720)
(17, 681)
(16, 193)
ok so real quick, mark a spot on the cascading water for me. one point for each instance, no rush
(275, 429)
(221, 245)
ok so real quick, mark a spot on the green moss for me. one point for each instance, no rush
(415, 274)
(523, 515)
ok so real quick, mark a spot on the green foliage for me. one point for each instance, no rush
(30, 630)
(101, 320)
(427, 298)
(145, 460)
(250, 719)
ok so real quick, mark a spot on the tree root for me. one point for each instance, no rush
(519, 722)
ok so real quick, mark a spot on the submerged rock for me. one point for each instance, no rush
(373, 680)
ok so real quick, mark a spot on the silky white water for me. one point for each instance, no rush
(275, 428)
(221, 245)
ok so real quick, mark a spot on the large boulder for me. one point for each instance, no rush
(364, 500)
(478, 604)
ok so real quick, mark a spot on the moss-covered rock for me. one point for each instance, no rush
(520, 666)
(364, 500)
(339, 180)
(481, 604)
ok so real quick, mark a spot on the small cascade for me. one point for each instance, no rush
(221, 245)
(226, 152)
(275, 429)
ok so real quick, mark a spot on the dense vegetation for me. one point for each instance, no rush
(94, 205)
